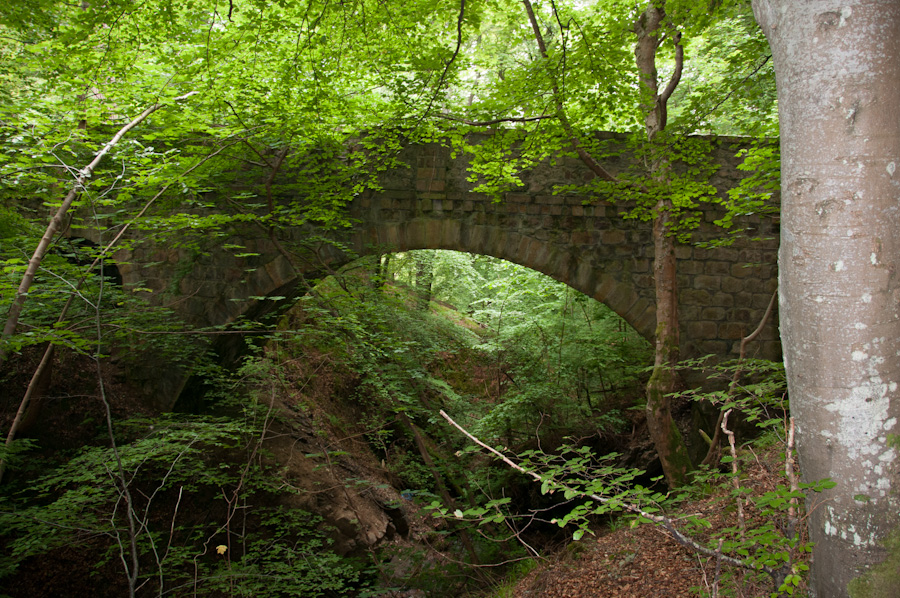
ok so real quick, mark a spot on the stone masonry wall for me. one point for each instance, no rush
(430, 204)
(724, 292)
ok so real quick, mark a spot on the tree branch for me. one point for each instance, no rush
(661, 520)
(34, 263)
(586, 157)
(488, 123)
(663, 99)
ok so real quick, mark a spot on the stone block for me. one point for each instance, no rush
(701, 330)
(434, 233)
(433, 185)
(742, 299)
(640, 265)
(716, 268)
(689, 313)
(723, 299)
(733, 285)
(732, 331)
(555, 200)
(684, 252)
(743, 315)
(582, 237)
(451, 232)
(716, 314)
(431, 173)
(742, 271)
(696, 297)
(473, 238)
(584, 277)
(761, 300)
(393, 235)
(612, 237)
(518, 198)
(415, 234)
(280, 272)
(645, 323)
(644, 282)
(708, 283)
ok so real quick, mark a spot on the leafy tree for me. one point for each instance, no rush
(568, 70)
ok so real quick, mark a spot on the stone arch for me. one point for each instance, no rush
(585, 242)
(554, 261)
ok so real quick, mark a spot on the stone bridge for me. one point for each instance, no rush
(430, 204)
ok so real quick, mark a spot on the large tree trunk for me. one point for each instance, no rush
(837, 64)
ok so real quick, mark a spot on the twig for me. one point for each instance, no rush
(714, 443)
(715, 588)
(734, 474)
(496, 121)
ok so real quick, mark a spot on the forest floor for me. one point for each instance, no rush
(645, 562)
(624, 563)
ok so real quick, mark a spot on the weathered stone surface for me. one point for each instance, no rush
(583, 241)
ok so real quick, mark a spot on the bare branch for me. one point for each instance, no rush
(735, 479)
(661, 520)
(714, 442)
(496, 121)
(18, 304)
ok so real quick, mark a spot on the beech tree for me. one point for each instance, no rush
(837, 66)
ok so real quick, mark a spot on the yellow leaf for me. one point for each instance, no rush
(221, 548)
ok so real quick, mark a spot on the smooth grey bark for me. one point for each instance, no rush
(837, 65)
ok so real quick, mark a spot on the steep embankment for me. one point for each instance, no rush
(312, 466)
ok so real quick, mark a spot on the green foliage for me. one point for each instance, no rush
(176, 466)
(299, 107)
(773, 546)
(288, 555)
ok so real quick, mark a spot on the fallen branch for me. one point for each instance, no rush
(660, 520)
